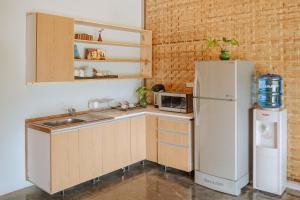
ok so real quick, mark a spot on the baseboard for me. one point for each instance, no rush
(293, 185)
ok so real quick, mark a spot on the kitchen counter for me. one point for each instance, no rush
(95, 118)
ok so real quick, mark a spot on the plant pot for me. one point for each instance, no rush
(143, 102)
(224, 54)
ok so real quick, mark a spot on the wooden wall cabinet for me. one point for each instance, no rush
(50, 48)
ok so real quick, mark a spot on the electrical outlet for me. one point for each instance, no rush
(189, 85)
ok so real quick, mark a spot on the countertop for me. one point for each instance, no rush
(113, 113)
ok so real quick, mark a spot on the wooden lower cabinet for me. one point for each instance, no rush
(90, 153)
(175, 143)
(115, 145)
(151, 138)
(64, 160)
(73, 157)
(138, 138)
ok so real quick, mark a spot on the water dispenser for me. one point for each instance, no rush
(270, 150)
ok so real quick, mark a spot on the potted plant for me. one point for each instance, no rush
(141, 93)
(222, 44)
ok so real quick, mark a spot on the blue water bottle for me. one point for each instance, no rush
(269, 91)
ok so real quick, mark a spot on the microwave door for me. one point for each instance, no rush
(165, 101)
(171, 102)
(178, 102)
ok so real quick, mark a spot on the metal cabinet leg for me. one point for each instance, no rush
(62, 193)
(165, 168)
(96, 180)
(143, 163)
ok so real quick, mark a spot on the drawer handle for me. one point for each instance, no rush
(172, 132)
(175, 145)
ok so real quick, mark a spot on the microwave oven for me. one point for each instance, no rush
(176, 102)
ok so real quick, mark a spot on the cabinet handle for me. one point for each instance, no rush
(171, 144)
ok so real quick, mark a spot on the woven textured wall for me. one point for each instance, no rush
(268, 32)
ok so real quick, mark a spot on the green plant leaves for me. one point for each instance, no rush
(212, 42)
(141, 91)
(232, 41)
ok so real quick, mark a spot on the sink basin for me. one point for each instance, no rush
(62, 122)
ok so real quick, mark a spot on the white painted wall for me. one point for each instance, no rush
(18, 101)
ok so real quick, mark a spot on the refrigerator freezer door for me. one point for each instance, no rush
(216, 138)
(216, 80)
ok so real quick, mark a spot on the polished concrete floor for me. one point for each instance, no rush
(150, 183)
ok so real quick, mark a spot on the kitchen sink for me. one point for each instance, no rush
(74, 120)
(62, 122)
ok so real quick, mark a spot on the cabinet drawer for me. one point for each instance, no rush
(173, 156)
(179, 126)
(173, 138)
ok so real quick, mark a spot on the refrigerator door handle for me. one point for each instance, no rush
(196, 94)
(196, 85)
(196, 113)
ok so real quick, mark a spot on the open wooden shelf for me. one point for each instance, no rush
(113, 60)
(133, 77)
(121, 77)
(108, 26)
(114, 43)
(145, 45)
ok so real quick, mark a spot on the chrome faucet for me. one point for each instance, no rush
(71, 111)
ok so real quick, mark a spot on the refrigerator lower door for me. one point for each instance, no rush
(216, 135)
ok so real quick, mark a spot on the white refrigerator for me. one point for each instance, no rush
(222, 99)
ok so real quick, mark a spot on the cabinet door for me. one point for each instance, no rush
(109, 153)
(54, 48)
(90, 153)
(151, 138)
(138, 138)
(64, 160)
(122, 146)
(115, 145)
(174, 156)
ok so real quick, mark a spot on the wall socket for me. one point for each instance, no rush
(189, 85)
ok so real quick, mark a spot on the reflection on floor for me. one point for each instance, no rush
(148, 182)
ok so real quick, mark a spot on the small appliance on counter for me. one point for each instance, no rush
(156, 89)
(176, 102)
